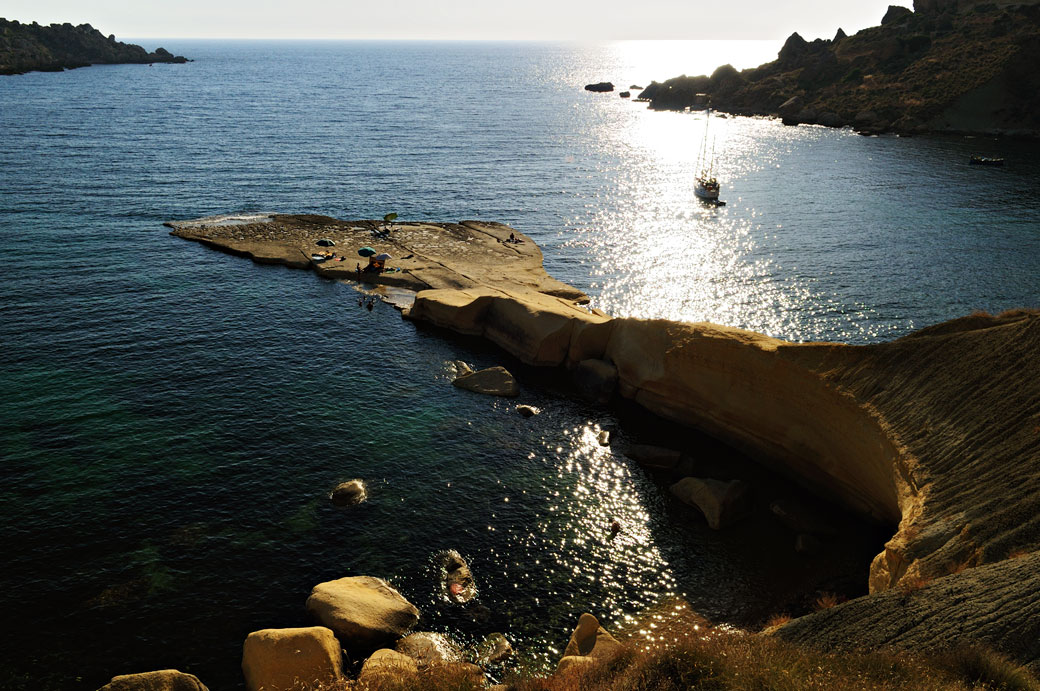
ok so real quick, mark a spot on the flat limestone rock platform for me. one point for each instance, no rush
(468, 254)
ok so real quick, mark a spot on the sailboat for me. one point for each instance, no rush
(707, 187)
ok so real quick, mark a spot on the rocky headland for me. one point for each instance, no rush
(935, 435)
(32, 47)
(964, 66)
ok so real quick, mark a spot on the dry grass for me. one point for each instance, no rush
(777, 620)
(827, 600)
(733, 661)
(728, 661)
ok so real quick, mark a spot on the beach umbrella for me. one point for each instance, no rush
(325, 242)
(366, 251)
(382, 257)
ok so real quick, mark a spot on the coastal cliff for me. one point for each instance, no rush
(935, 435)
(945, 67)
(32, 47)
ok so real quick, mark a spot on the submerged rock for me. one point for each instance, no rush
(278, 659)
(722, 503)
(455, 577)
(349, 493)
(527, 410)
(494, 381)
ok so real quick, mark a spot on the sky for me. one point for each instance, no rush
(580, 20)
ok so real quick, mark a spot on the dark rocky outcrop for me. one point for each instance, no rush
(600, 87)
(31, 47)
(954, 66)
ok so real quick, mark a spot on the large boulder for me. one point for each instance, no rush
(722, 503)
(160, 680)
(283, 659)
(595, 379)
(600, 87)
(364, 612)
(495, 381)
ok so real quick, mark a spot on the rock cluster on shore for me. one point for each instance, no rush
(936, 435)
(29, 47)
(964, 66)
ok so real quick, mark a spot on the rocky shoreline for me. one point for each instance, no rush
(31, 47)
(936, 435)
(963, 67)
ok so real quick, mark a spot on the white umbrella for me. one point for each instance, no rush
(382, 257)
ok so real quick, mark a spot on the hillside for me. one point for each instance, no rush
(946, 66)
(31, 47)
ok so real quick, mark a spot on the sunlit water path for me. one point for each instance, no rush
(171, 417)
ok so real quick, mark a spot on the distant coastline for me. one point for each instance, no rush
(956, 67)
(58, 47)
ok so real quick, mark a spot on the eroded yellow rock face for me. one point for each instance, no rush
(937, 433)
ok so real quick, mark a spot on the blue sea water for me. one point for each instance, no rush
(171, 418)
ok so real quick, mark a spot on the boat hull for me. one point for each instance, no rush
(705, 193)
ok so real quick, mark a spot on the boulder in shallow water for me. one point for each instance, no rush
(588, 643)
(364, 612)
(493, 649)
(428, 648)
(456, 577)
(600, 87)
(494, 381)
(722, 503)
(160, 680)
(349, 493)
(527, 410)
(282, 659)
(654, 457)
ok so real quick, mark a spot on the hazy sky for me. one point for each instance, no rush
(458, 19)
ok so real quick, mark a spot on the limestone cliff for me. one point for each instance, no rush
(28, 47)
(937, 433)
(950, 66)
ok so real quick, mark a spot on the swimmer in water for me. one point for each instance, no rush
(615, 528)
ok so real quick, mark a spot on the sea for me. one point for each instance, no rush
(173, 418)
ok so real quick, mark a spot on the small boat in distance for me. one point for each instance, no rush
(985, 161)
(707, 187)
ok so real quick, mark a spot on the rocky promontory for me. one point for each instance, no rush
(935, 435)
(32, 47)
(947, 66)
(458, 256)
